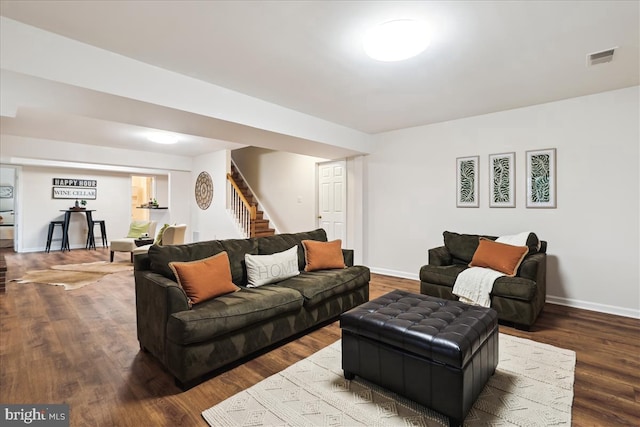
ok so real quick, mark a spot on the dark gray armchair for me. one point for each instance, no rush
(518, 300)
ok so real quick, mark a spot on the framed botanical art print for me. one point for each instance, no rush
(467, 182)
(502, 182)
(541, 178)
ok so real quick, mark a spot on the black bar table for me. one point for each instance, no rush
(67, 220)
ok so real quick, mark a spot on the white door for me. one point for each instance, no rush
(332, 199)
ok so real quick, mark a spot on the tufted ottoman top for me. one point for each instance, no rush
(444, 331)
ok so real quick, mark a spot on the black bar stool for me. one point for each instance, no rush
(52, 225)
(91, 238)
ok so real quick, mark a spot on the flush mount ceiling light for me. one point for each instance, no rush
(162, 138)
(396, 40)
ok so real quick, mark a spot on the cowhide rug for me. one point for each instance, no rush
(74, 276)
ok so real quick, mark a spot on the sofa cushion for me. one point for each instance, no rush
(323, 255)
(237, 248)
(316, 286)
(508, 287)
(265, 269)
(230, 313)
(461, 246)
(281, 242)
(514, 288)
(204, 279)
(497, 256)
(161, 256)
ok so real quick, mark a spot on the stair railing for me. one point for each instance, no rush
(239, 207)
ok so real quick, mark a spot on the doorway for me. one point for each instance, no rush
(8, 179)
(332, 199)
(142, 190)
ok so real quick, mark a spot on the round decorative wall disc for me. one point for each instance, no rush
(204, 190)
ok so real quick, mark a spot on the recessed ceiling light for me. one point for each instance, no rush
(396, 40)
(162, 138)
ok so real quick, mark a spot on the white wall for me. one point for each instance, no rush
(593, 235)
(214, 222)
(285, 183)
(181, 200)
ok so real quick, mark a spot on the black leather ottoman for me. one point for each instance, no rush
(436, 352)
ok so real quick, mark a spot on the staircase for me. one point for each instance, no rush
(243, 206)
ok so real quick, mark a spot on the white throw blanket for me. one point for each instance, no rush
(474, 285)
(515, 240)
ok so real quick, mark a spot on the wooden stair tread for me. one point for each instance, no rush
(264, 233)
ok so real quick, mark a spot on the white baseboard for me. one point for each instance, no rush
(585, 305)
(394, 273)
(602, 308)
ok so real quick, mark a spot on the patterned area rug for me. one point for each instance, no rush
(74, 276)
(533, 386)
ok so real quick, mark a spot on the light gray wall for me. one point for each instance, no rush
(593, 234)
(39, 208)
(214, 222)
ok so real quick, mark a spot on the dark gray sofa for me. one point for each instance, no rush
(214, 333)
(518, 300)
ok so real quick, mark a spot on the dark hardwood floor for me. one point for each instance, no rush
(79, 347)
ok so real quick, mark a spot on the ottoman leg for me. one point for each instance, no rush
(349, 375)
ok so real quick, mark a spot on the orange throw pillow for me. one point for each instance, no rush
(323, 255)
(205, 278)
(498, 256)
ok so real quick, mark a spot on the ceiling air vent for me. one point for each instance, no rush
(600, 57)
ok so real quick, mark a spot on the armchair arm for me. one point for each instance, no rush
(440, 256)
(532, 266)
(348, 257)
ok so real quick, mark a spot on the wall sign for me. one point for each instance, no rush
(68, 182)
(72, 188)
(74, 193)
(6, 192)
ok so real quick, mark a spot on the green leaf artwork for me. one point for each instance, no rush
(501, 180)
(467, 181)
(540, 174)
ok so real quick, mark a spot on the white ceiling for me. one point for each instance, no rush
(485, 56)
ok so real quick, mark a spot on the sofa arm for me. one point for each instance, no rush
(440, 256)
(141, 261)
(348, 257)
(157, 298)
